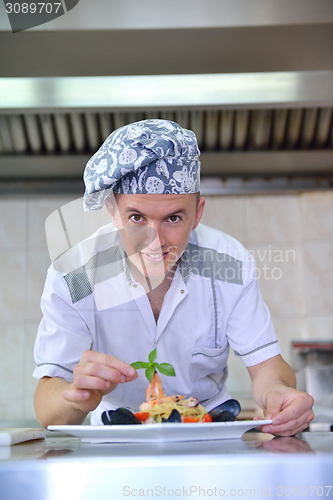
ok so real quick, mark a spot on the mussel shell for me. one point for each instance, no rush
(174, 417)
(231, 406)
(225, 416)
(121, 416)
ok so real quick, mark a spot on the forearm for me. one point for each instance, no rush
(50, 406)
(269, 373)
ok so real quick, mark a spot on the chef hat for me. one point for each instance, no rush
(145, 157)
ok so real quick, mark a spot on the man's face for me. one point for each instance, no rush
(155, 228)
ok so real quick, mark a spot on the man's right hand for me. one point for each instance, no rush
(95, 375)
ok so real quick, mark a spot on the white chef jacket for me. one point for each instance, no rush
(91, 300)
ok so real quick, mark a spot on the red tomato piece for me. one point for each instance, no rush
(142, 415)
(207, 418)
(188, 420)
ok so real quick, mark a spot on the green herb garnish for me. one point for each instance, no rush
(151, 366)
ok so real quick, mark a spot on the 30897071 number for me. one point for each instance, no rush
(32, 8)
(302, 491)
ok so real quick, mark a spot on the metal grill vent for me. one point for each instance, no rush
(216, 130)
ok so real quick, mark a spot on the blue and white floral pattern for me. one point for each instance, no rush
(146, 157)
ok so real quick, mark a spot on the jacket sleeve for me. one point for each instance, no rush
(63, 334)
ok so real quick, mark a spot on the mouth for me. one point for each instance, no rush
(155, 257)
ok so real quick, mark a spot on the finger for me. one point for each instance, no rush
(94, 382)
(101, 373)
(291, 427)
(75, 395)
(295, 423)
(273, 405)
(298, 407)
(111, 362)
(106, 367)
(289, 432)
(264, 428)
(271, 411)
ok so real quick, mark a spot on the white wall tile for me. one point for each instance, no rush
(39, 208)
(12, 290)
(11, 362)
(317, 215)
(318, 272)
(37, 264)
(13, 222)
(11, 409)
(30, 382)
(226, 213)
(28, 409)
(273, 219)
(79, 224)
(280, 271)
(287, 330)
(320, 327)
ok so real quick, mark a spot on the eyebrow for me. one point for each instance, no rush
(175, 212)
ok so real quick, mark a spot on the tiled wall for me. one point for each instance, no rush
(291, 237)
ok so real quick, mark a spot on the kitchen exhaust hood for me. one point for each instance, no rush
(248, 125)
(253, 80)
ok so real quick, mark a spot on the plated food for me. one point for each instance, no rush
(170, 409)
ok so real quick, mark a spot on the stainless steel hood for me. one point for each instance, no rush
(246, 124)
(256, 86)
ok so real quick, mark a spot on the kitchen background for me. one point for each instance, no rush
(296, 230)
(267, 156)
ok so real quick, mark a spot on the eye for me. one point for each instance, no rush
(174, 218)
(136, 218)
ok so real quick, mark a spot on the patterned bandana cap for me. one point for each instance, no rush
(146, 157)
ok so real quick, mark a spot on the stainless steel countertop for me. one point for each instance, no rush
(257, 465)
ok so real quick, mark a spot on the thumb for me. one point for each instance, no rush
(272, 406)
(271, 412)
(75, 395)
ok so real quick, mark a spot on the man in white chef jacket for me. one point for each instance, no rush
(155, 278)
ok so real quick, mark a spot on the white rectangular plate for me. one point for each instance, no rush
(154, 433)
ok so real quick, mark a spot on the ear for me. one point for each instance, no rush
(111, 210)
(199, 212)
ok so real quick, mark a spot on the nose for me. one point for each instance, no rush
(155, 237)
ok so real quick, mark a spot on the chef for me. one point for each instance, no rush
(155, 278)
